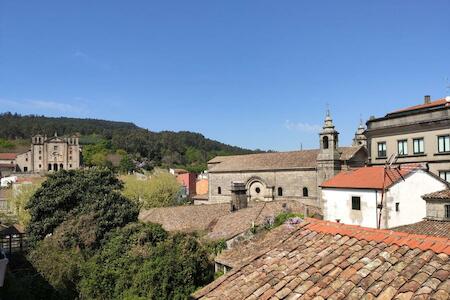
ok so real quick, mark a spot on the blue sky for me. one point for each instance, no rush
(256, 74)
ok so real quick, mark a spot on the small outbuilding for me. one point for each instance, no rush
(355, 197)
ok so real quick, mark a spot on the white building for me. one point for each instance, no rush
(354, 197)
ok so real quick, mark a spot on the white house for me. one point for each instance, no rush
(354, 197)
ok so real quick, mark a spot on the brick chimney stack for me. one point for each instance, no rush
(427, 99)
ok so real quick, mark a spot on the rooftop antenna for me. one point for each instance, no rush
(328, 109)
(393, 174)
(301, 146)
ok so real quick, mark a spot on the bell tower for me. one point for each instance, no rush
(360, 139)
(328, 159)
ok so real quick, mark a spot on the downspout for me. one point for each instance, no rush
(376, 207)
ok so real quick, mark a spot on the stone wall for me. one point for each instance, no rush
(436, 209)
(291, 182)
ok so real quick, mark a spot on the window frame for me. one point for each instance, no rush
(380, 152)
(356, 207)
(446, 174)
(446, 149)
(219, 190)
(402, 142)
(423, 145)
(447, 211)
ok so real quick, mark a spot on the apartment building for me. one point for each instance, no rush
(417, 134)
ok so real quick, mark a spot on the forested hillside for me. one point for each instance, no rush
(101, 138)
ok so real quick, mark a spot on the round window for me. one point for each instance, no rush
(257, 190)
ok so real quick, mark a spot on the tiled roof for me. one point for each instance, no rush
(8, 156)
(432, 104)
(443, 195)
(216, 220)
(367, 178)
(325, 260)
(427, 227)
(8, 166)
(233, 224)
(274, 160)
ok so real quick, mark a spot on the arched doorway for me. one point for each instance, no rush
(256, 189)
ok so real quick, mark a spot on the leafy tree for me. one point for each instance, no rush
(127, 164)
(73, 193)
(152, 265)
(160, 189)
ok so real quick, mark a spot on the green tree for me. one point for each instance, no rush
(69, 194)
(160, 189)
(152, 265)
(127, 164)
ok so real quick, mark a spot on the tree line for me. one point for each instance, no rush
(166, 148)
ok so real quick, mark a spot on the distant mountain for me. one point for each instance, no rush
(166, 148)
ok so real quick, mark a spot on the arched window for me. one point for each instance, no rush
(305, 192)
(219, 190)
(61, 166)
(325, 142)
(280, 192)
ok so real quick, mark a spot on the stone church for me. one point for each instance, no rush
(50, 154)
(294, 175)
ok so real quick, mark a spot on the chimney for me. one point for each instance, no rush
(238, 195)
(427, 99)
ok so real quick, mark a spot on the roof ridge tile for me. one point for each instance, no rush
(389, 237)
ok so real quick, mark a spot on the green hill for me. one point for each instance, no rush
(180, 149)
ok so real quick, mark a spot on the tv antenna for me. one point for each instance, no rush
(392, 173)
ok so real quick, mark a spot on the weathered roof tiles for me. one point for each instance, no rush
(324, 260)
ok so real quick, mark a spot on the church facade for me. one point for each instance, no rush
(294, 175)
(50, 154)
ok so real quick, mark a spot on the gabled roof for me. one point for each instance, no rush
(329, 260)
(441, 195)
(8, 156)
(274, 160)
(367, 178)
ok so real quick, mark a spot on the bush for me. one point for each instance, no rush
(283, 217)
(141, 261)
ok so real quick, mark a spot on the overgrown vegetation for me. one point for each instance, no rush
(281, 218)
(149, 149)
(86, 243)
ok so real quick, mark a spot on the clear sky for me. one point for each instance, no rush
(256, 74)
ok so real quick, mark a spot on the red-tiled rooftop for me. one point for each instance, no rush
(367, 178)
(432, 104)
(443, 195)
(326, 260)
(8, 156)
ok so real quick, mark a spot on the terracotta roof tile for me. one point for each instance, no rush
(8, 156)
(427, 227)
(325, 260)
(216, 220)
(436, 103)
(368, 177)
(443, 195)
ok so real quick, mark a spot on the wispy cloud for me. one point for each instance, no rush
(302, 127)
(91, 60)
(39, 106)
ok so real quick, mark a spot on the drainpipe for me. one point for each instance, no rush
(376, 207)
